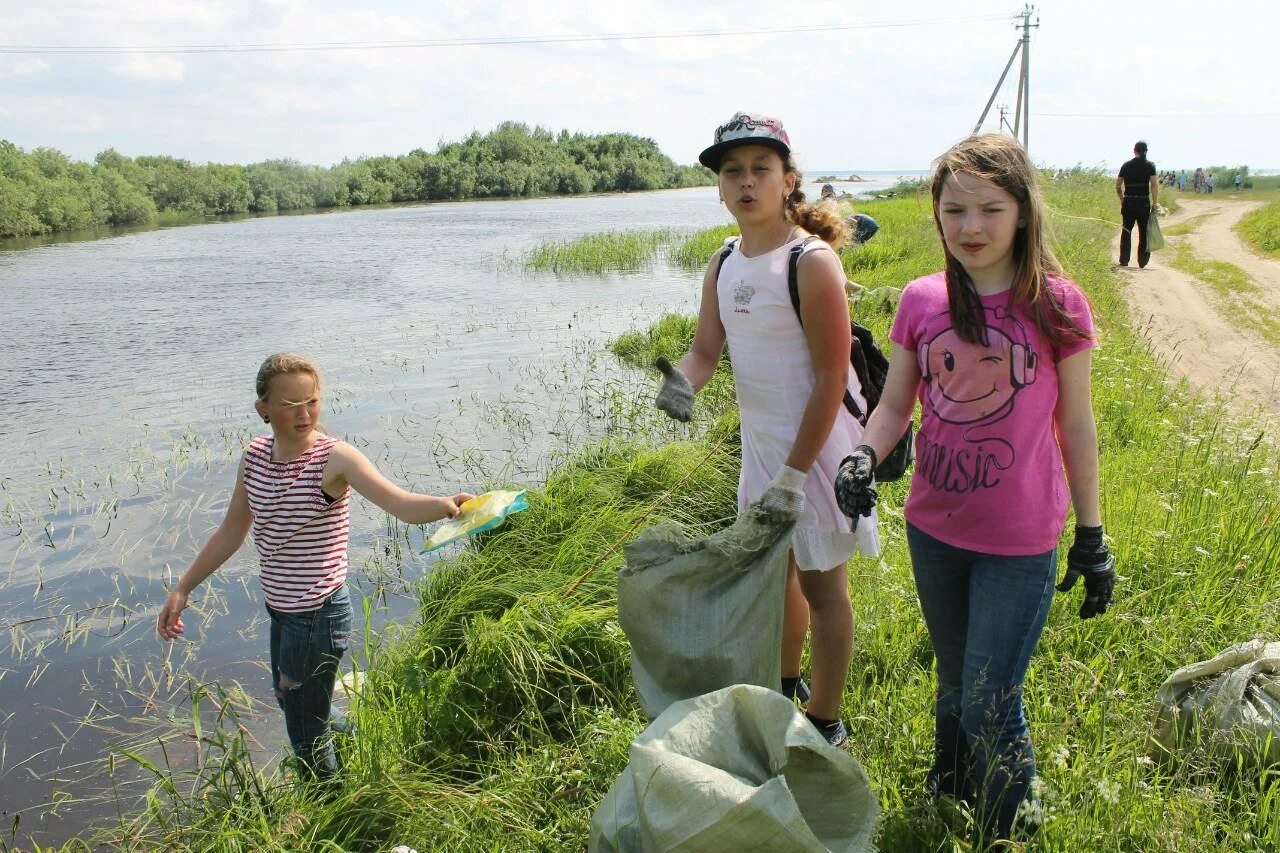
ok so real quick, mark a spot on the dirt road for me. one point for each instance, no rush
(1188, 332)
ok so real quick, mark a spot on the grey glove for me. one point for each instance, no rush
(783, 499)
(675, 397)
(855, 482)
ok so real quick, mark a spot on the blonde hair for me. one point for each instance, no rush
(821, 219)
(1001, 160)
(283, 363)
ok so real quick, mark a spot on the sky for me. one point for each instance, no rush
(872, 98)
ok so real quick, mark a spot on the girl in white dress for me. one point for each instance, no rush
(791, 378)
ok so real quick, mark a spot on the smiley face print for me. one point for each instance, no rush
(976, 383)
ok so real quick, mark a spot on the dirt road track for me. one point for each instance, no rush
(1189, 333)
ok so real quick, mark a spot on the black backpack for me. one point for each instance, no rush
(869, 364)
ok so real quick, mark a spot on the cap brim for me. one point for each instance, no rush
(712, 156)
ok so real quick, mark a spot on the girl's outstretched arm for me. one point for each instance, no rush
(224, 542)
(1078, 436)
(349, 467)
(699, 364)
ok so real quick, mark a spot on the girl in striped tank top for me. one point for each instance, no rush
(292, 490)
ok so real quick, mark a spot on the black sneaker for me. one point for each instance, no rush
(839, 736)
(800, 691)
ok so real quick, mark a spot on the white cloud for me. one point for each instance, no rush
(23, 66)
(858, 98)
(147, 66)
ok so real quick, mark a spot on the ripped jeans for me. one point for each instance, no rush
(306, 651)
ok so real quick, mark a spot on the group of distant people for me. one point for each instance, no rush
(1201, 181)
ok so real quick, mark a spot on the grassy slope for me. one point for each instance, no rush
(500, 720)
(1261, 229)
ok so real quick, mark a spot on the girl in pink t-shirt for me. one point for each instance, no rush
(997, 349)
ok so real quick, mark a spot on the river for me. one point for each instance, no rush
(128, 366)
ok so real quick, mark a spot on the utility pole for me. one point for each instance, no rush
(1024, 81)
(1022, 108)
(1004, 124)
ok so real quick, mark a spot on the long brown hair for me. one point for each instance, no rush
(1001, 160)
(821, 219)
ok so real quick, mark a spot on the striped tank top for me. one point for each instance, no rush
(301, 534)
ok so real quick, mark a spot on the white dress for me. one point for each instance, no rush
(774, 377)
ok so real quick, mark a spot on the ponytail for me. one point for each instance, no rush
(821, 219)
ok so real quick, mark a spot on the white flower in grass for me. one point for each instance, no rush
(1201, 551)
(1145, 760)
(1109, 791)
(1059, 757)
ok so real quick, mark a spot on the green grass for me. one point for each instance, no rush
(596, 253)
(1224, 278)
(1261, 229)
(693, 252)
(498, 721)
(1184, 228)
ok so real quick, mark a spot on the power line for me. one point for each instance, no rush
(483, 41)
(1160, 115)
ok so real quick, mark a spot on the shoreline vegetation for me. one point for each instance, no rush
(499, 720)
(42, 191)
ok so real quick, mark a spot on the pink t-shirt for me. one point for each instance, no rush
(988, 475)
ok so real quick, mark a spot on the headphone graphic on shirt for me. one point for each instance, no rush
(1022, 358)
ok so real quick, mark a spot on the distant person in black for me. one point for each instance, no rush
(1138, 190)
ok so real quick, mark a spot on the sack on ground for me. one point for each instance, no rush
(738, 769)
(1155, 237)
(702, 614)
(1228, 706)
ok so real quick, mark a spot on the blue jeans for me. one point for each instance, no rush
(306, 651)
(985, 614)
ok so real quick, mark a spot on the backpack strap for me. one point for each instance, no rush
(856, 356)
(724, 254)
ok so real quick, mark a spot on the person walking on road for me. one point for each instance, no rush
(1137, 188)
(1239, 180)
(1182, 181)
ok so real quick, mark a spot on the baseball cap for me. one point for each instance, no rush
(745, 129)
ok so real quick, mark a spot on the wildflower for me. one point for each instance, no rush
(1059, 757)
(1145, 760)
(1109, 791)
(1201, 551)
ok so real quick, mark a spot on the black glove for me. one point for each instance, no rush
(855, 489)
(1089, 557)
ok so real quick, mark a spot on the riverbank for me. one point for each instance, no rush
(499, 720)
(43, 191)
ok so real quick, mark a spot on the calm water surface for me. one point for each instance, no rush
(126, 377)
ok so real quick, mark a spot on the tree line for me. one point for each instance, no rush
(43, 190)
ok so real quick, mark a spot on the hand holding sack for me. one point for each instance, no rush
(1090, 558)
(855, 482)
(783, 499)
(675, 397)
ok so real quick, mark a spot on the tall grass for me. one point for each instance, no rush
(610, 250)
(499, 720)
(1261, 229)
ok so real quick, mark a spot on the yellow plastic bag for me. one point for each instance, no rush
(479, 514)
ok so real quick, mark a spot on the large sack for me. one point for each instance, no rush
(736, 770)
(1230, 705)
(702, 614)
(1155, 234)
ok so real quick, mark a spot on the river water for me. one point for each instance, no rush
(126, 375)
